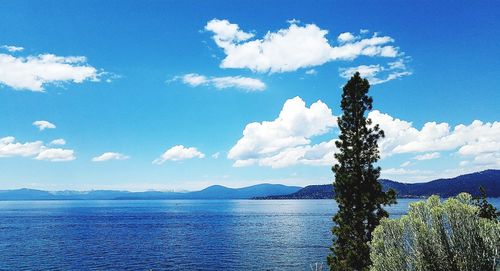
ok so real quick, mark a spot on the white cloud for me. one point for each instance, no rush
(245, 83)
(216, 155)
(56, 155)
(311, 72)
(193, 79)
(43, 124)
(10, 148)
(58, 141)
(226, 33)
(110, 156)
(240, 82)
(487, 159)
(427, 156)
(178, 153)
(378, 74)
(12, 48)
(287, 139)
(314, 155)
(245, 163)
(34, 72)
(298, 46)
(478, 140)
(482, 145)
(346, 37)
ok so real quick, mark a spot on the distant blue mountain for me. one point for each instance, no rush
(221, 192)
(470, 183)
(489, 179)
(212, 192)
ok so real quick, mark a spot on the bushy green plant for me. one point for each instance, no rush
(437, 235)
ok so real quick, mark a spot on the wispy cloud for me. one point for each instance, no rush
(377, 73)
(107, 156)
(12, 48)
(238, 82)
(311, 72)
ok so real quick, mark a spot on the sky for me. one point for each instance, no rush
(180, 95)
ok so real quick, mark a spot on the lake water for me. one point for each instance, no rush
(168, 234)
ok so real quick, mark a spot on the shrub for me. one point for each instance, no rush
(437, 235)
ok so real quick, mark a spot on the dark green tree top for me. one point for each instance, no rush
(486, 209)
(358, 193)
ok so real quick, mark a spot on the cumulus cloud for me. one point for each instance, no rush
(478, 140)
(35, 72)
(37, 150)
(178, 153)
(240, 82)
(287, 139)
(292, 48)
(43, 124)
(12, 48)
(110, 156)
(377, 73)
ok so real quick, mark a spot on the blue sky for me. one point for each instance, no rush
(181, 95)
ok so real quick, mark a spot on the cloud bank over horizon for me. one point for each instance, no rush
(287, 140)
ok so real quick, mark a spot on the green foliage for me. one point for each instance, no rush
(435, 235)
(486, 210)
(358, 193)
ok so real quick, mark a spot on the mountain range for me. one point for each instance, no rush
(212, 192)
(470, 183)
(488, 179)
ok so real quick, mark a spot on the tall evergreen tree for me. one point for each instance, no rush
(358, 193)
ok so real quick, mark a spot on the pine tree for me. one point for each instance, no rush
(486, 209)
(358, 193)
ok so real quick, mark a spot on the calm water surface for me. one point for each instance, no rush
(168, 234)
